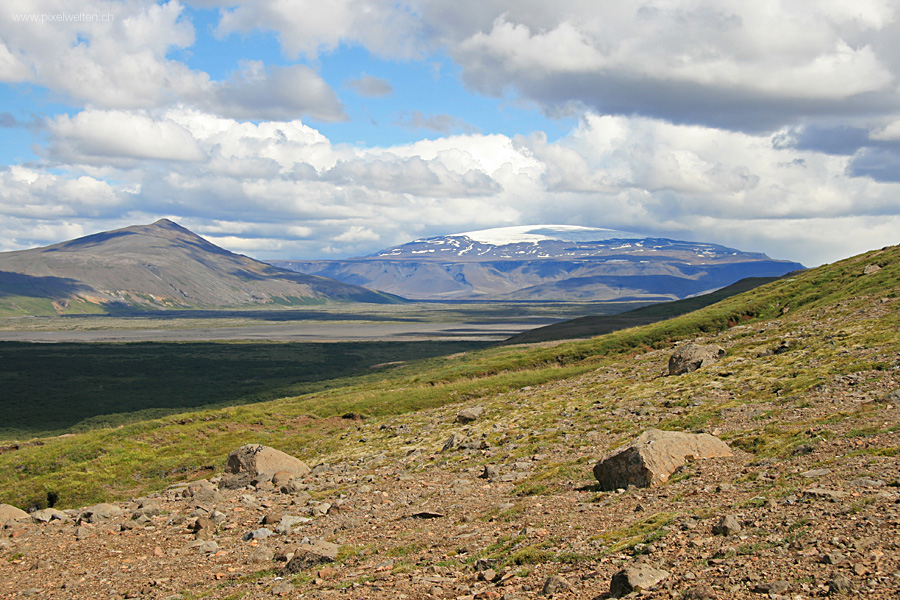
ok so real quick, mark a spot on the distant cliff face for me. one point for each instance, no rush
(160, 265)
(548, 262)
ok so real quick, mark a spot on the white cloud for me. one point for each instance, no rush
(93, 136)
(307, 27)
(280, 93)
(281, 189)
(123, 63)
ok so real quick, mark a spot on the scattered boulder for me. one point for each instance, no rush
(727, 525)
(8, 512)
(871, 269)
(46, 515)
(892, 397)
(288, 522)
(455, 440)
(468, 415)
(772, 588)
(825, 494)
(202, 493)
(690, 357)
(556, 584)
(311, 555)
(261, 554)
(636, 578)
(700, 592)
(258, 534)
(840, 585)
(490, 473)
(101, 512)
(651, 459)
(255, 459)
(204, 528)
(282, 478)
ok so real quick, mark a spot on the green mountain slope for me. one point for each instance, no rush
(594, 325)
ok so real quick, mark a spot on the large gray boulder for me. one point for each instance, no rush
(254, 459)
(651, 458)
(690, 357)
(8, 512)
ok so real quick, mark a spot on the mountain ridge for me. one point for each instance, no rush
(548, 262)
(160, 265)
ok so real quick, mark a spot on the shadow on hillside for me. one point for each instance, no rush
(57, 388)
(19, 284)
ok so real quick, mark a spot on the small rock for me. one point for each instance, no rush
(312, 555)
(208, 547)
(288, 522)
(555, 584)
(690, 357)
(468, 415)
(319, 509)
(840, 585)
(866, 482)
(813, 473)
(261, 554)
(635, 579)
(257, 534)
(283, 588)
(871, 269)
(101, 512)
(772, 587)
(833, 558)
(821, 493)
(46, 515)
(453, 442)
(490, 473)
(699, 592)
(727, 525)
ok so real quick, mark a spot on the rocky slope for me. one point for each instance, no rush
(161, 265)
(548, 262)
(499, 501)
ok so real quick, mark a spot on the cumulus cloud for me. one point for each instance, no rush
(123, 63)
(283, 93)
(107, 137)
(308, 27)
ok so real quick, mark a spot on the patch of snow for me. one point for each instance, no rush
(501, 236)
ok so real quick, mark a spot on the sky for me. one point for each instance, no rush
(299, 129)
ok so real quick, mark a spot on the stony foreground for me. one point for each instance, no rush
(501, 504)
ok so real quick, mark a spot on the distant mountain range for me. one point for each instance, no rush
(548, 262)
(162, 265)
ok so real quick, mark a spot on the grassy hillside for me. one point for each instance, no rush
(828, 323)
(594, 325)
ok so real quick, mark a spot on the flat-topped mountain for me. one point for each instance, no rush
(548, 262)
(162, 265)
